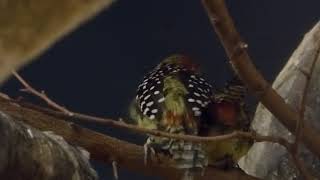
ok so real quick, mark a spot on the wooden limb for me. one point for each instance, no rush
(242, 64)
(27, 153)
(28, 28)
(107, 149)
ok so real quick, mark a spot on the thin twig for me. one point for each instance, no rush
(300, 122)
(42, 95)
(140, 130)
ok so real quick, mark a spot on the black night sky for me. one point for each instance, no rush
(96, 69)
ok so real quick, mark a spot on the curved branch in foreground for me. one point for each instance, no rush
(27, 153)
(27, 28)
(242, 64)
(107, 149)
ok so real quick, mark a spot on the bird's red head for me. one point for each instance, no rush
(226, 113)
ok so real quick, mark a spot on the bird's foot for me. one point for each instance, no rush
(147, 149)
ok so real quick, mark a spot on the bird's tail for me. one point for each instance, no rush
(188, 156)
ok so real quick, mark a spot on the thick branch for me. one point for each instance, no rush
(27, 28)
(107, 149)
(27, 153)
(242, 64)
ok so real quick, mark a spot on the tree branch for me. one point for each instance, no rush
(65, 113)
(242, 64)
(28, 28)
(107, 149)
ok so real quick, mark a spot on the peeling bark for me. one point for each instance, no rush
(29, 154)
(271, 161)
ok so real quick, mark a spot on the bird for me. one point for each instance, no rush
(172, 98)
(230, 112)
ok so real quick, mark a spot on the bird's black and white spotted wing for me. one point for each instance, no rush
(151, 96)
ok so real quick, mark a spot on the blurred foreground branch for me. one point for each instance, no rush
(27, 28)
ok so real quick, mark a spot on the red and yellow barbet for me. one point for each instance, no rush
(175, 98)
(229, 112)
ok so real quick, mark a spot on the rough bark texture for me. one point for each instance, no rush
(29, 154)
(271, 161)
(28, 27)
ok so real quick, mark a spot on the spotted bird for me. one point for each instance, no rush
(172, 98)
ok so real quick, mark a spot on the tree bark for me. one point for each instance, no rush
(29, 154)
(28, 27)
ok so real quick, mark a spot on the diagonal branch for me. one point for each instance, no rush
(242, 64)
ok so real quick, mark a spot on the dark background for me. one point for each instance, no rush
(97, 68)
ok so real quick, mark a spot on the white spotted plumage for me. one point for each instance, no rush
(156, 105)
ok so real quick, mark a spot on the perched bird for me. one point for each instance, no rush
(173, 98)
(229, 111)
